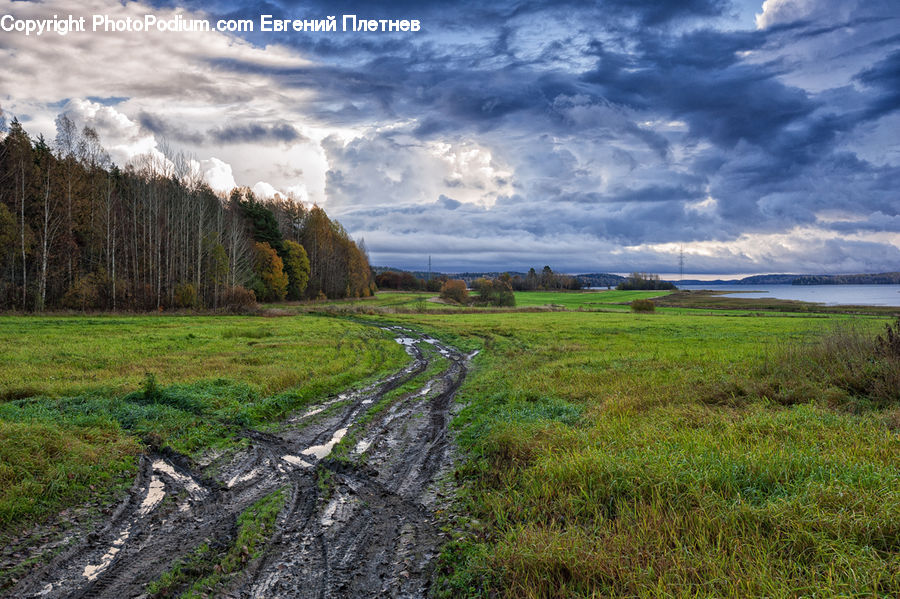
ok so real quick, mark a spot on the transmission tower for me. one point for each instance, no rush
(681, 264)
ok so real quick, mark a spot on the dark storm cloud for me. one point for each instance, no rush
(657, 193)
(256, 132)
(699, 78)
(448, 203)
(884, 76)
(621, 122)
(164, 130)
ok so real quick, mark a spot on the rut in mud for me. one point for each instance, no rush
(358, 521)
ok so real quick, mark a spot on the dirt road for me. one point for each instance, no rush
(358, 521)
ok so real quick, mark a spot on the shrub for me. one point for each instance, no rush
(84, 294)
(185, 295)
(455, 290)
(889, 344)
(239, 299)
(494, 292)
(643, 305)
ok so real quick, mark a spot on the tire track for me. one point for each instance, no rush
(371, 534)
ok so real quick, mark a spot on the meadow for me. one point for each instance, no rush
(672, 455)
(81, 396)
(692, 452)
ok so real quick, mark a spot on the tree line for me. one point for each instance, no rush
(644, 281)
(79, 232)
(884, 278)
(407, 281)
(545, 280)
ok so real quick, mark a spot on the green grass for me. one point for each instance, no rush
(609, 455)
(389, 302)
(383, 301)
(704, 450)
(91, 405)
(57, 356)
(586, 300)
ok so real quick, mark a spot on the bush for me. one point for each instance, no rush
(494, 292)
(239, 299)
(84, 294)
(643, 305)
(889, 345)
(185, 295)
(455, 290)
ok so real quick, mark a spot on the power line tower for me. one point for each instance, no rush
(429, 269)
(681, 264)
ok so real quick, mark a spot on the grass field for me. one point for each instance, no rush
(82, 393)
(386, 301)
(586, 300)
(389, 302)
(701, 451)
(669, 455)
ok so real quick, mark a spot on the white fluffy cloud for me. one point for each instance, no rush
(110, 80)
(218, 174)
(783, 11)
(122, 137)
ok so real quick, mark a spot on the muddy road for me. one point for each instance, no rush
(360, 474)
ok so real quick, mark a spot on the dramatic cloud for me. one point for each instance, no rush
(758, 136)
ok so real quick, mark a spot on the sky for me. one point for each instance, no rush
(606, 136)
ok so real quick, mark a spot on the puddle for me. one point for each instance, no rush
(242, 478)
(92, 572)
(322, 407)
(156, 491)
(296, 461)
(320, 451)
(189, 484)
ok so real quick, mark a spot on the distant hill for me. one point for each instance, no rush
(754, 280)
(605, 279)
(702, 282)
(884, 278)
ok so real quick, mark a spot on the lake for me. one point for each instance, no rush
(832, 295)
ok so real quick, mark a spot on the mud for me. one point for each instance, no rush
(368, 530)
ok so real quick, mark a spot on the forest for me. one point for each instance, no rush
(79, 232)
